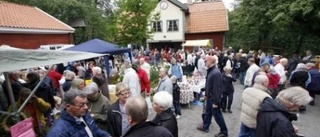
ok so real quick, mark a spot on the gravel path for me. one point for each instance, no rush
(308, 122)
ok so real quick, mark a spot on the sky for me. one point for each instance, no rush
(227, 3)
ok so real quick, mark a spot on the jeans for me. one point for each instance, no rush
(177, 109)
(218, 117)
(229, 97)
(246, 131)
(242, 76)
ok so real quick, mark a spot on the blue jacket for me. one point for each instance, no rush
(267, 59)
(67, 126)
(214, 84)
(314, 86)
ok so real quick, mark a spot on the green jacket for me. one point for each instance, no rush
(99, 108)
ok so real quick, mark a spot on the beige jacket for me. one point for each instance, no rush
(251, 100)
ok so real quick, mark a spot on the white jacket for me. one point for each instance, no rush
(202, 67)
(281, 72)
(189, 59)
(252, 97)
(249, 75)
(131, 78)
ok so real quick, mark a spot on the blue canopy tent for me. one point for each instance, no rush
(102, 47)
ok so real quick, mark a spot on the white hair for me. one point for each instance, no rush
(203, 56)
(70, 75)
(164, 70)
(310, 65)
(227, 68)
(261, 79)
(244, 55)
(163, 99)
(91, 88)
(283, 60)
(97, 70)
(173, 78)
(301, 67)
(295, 95)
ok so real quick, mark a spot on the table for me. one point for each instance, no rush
(186, 95)
(187, 89)
(197, 88)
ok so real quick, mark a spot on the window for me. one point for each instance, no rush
(157, 26)
(173, 25)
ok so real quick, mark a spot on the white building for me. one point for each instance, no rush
(196, 21)
(169, 30)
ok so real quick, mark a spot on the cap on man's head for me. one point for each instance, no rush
(265, 64)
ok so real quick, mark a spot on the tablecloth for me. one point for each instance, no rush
(197, 88)
(186, 95)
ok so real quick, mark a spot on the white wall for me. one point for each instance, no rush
(171, 13)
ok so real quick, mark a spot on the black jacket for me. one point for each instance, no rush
(167, 120)
(176, 92)
(274, 120)
(299, 78)
(244, 65)
(147, 129)
(227, 84)
(114, 122)
(66, 85)
(214, 85)
(43, 91)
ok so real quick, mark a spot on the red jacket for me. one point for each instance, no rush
(55, 77)
(144, 81)
(273, 80)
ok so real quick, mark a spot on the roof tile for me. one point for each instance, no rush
(207, 17)
(26, 17)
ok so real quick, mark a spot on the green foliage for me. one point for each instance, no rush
(286, 26)
(154, 76)
(131, 21)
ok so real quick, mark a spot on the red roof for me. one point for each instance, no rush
(26, 17)
(207, 17)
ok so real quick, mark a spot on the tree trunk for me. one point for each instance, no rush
(299, 44)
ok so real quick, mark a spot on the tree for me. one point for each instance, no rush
(290, 25)
(131, 21)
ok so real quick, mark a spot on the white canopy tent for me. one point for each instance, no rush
(15, 59)
(197, 43)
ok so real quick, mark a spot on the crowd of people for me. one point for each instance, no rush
(76, 101)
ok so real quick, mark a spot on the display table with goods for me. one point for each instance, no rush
(190, 85)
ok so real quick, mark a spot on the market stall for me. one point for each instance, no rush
(16, 59)
(101, 47)
(194, 44)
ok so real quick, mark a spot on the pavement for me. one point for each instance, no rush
(307, 123)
